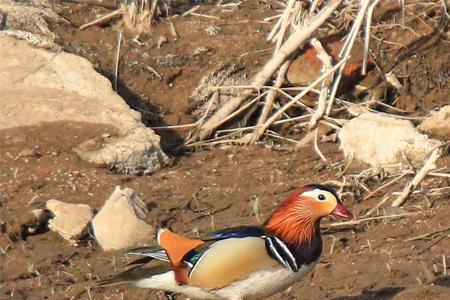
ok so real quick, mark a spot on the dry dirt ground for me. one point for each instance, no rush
(210, 189)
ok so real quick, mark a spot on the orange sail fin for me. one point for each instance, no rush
(176, 246)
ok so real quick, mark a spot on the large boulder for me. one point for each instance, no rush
(38, 86)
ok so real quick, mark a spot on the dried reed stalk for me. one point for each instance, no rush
(345, 51)
(326, 65)
(139, 15)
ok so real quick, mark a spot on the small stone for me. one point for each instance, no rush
(27, 153)
(438, 123)
(120, 222)
(162, 40)
(381, 140)
(71, 220)
(212, 30)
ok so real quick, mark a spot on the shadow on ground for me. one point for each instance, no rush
(382, 294)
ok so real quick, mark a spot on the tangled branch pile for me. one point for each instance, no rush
(265, 102)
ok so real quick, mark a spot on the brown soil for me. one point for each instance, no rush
(369, 261)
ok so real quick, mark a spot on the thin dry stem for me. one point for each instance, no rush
(377, 190)
(367, 37)
(429, 165)
(116, 69)
(360, 221)
(316, 147)
(384, 200)
(345, 51)
(326, 65)
(282, 72)
(273, 93)
(422, 236)
(103, 19)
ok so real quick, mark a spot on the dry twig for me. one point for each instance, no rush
(326, 65)
(429, 165)
(116, 69)
(345, 51)
(360, 221)
(316, 147)
(367, 37)
(422, 236)
(103, 19)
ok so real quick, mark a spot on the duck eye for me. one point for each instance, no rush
(321, 197)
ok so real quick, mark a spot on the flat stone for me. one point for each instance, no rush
(380, 140)
(120, 222)
(38, 86)
(70, 220)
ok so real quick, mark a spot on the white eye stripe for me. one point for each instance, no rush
(316, 192)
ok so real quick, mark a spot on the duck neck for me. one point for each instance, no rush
(300, 234)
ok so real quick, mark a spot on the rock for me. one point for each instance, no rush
(378, 140)
(40, 86)
(70, 220)
(438, 123)
(27, 20)
(120, 222)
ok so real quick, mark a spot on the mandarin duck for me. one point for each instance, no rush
(248, 262)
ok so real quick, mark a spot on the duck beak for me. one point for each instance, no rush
(341, 211)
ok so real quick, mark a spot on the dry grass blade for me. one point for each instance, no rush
(316, 147)
(384, 200)
(273, 93)
(360, 221)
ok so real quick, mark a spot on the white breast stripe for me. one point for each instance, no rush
(275, 252)
(292, 261)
